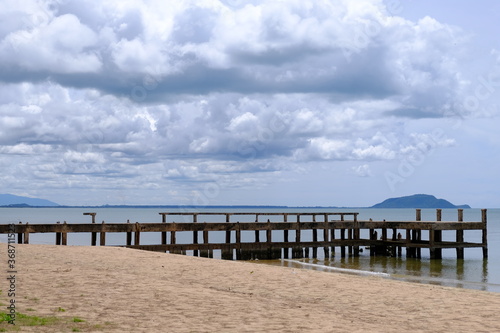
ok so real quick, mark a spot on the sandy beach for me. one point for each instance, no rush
(105, 289)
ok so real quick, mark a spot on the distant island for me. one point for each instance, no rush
(10, 200)
(412, 201)
(417, 201)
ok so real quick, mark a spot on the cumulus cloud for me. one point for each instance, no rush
(152, 93)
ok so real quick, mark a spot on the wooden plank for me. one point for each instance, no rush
(278, 245)
(258, 213)
(228, 226)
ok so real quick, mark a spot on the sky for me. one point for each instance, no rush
(259, 102)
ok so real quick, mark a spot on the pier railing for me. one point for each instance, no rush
(329, 231)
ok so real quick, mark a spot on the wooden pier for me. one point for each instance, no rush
(329, 231)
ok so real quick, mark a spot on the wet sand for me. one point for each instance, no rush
(124, 290)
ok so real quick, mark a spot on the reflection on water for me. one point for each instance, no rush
(471, 274)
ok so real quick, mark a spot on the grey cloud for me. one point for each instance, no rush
(186, 100)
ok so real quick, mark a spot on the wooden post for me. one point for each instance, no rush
(306, 251)
(332, 239)
(137, 234)
(58, 236)
(238, 241)
(285, 238)
(129, 236)
(400, 248)
(326, 248)
(93, 240)
(64, 238)
(342, 248)
(356, 235)
(19, 236)
(418, 234)
(27, 234)
(460, 235)
(228, 232)
(195, 235)
(257, 232)
(269, 240)
(484, 219)
(349, 237)
(172, 235)
(394, 238)
(297, 250)
(315, 239)
(373, 237)
(102, 237)
(163, 233)
(342, 237)
(409, 251)
(205, 253)
(438, 237)
(227, 254)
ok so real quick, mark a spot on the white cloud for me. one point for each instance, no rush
(153, 93)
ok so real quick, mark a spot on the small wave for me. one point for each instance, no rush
(337, 269)
(410, 278)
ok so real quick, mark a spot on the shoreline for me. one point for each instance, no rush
(117, 289)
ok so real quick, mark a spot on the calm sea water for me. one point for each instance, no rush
(473, 272)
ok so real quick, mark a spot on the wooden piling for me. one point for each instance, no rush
(102, 237)
(58, 236)
(286, 250)
(332, 239)
(342, 248)
(269, 240)
(20, 236)
(460, 235)
(238, 241)
(418, 234)
(373, 238)
(163, 233)
(315, 239)
(437, 253)
(137, 234)
(257, 232)
(129, 236)
(27, 234)
(205, 253)
(227, 254)
(297, 251)
(173, 239)
(326, 249)
(64, 234)
(195, 235)
(356, 234)
(484, 219)
(93, 241)
(409, 249)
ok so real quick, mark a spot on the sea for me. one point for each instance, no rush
(472, 272)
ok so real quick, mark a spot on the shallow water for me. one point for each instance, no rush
(472, 272)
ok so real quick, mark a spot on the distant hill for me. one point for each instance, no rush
(417, 201)
(9, 200)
